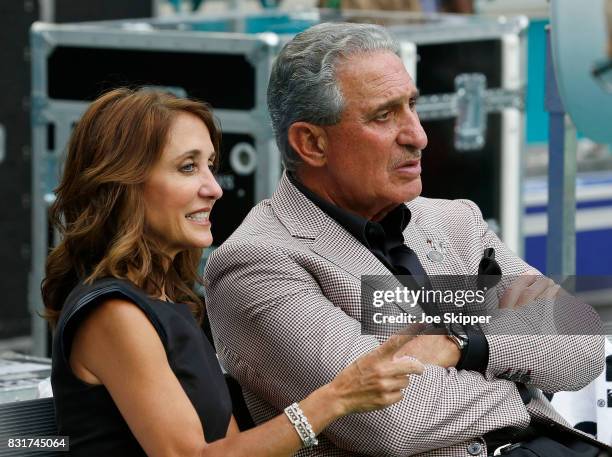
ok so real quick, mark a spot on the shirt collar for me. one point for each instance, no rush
(381, 235)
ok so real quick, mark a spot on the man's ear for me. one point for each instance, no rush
(309, 141)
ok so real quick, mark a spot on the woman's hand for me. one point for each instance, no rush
(375, 380)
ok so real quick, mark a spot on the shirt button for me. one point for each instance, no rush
(474, 448)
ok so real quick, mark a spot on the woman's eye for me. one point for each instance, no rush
(211, 166)
(188, 168)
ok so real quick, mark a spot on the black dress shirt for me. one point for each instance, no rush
(385, 239)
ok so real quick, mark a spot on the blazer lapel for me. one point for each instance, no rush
(303, 219)
(341, 248)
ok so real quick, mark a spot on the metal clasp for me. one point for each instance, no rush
(471, 124)
(505, 448)
(499, 450)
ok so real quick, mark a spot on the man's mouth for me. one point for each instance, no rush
(410, 167)
(410, 163)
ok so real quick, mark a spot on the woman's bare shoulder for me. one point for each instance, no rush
(115, 335)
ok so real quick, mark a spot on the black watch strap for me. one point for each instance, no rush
(475, 356)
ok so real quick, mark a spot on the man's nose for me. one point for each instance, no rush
(411, 131)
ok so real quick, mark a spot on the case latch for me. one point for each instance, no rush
(471, 123)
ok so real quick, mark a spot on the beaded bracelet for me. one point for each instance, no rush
(301, 424)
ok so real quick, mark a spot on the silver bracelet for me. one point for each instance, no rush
(301, 424)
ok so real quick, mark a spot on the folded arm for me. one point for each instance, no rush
(535, 355)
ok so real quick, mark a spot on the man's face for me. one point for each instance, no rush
(373, 153)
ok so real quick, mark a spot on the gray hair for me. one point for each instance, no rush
(303, 85)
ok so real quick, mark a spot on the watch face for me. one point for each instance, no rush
(463, 340)
(460, 342)
(457, 330)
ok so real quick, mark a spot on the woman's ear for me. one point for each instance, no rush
(309, 141)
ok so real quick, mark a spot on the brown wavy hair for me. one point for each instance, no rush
(99, 208)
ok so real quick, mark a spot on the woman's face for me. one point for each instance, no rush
(181, 189)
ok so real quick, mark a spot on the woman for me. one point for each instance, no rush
(132, 372)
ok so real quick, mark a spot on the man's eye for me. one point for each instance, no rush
(382, 116)
(188, 168)
(211, 166)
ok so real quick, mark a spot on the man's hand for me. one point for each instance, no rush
(432, 349)
(526, 289)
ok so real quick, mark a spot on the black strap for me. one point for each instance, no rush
(475, 356)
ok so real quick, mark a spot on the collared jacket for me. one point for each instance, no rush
(284, 299)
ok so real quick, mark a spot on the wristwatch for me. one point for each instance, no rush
(457, 335)
(472, 344)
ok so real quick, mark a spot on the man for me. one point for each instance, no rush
(283, 292)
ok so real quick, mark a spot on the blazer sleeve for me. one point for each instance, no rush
(540, 354)
(277, 334)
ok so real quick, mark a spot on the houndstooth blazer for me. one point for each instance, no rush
(283, 297)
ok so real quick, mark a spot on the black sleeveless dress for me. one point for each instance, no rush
(87, 414)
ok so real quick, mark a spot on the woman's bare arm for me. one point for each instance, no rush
(118, 346)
